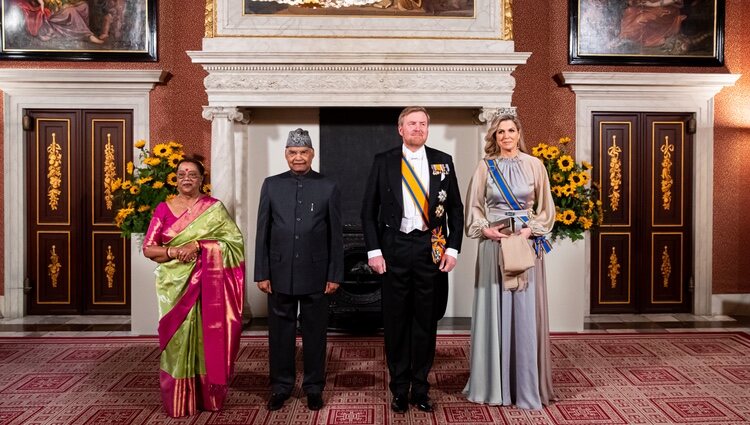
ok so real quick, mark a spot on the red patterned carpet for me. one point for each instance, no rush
(691, 378)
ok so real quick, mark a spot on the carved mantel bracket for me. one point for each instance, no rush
(232, 114)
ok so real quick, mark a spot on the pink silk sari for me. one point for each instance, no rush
(200, 306)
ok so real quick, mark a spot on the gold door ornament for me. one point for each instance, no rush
(54, 266)
(614, 268)
(54, 172)
(615, 174)
(110, 268)
(110, 171)
(666, 174)
(666, 266)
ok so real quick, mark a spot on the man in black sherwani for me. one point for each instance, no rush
(412, 217)
(299, 259)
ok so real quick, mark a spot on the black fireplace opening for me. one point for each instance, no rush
(356, 306)
(349, 140)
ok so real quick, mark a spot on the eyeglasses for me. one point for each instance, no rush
(191, 176)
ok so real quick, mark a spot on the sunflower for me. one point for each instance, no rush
(162, 150)
(557, 178)
(584, 177)
(174, 159)
(144, 208)
(140, 143)
(564, 140)
(134, 190)
(122, 214)
(585, 222)
(567, 190)
(569, 216)
(152, 161)
(589, 205)
(565, 163)
(575, 179)
(158, 185)
(558, 217)
(171, 196)
(129, 167)
(145, 179)
(587, 165)
(207, 188)
(552, 152)
(126, 185)
(538, 151)
(116, 184)
(172, 179)
(174, 145)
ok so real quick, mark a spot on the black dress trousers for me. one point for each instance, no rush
(408, 309)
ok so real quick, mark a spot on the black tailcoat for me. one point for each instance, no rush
(383, 205)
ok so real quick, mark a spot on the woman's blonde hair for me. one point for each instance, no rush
(490, 147)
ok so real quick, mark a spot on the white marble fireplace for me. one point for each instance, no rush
(260, 88)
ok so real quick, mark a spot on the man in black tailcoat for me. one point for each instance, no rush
(299, 259)
(412, 217)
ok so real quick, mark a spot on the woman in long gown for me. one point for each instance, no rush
(510, 350)
(199, 283)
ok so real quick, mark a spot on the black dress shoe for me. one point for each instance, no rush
(276, 401)
(422, 402)
(399, 404)
(314, 401)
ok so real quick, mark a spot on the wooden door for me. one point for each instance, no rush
(641, 255)
(77, 261)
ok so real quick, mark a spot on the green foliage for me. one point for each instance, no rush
(577, 204)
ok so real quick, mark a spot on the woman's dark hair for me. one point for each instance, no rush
(197, 163)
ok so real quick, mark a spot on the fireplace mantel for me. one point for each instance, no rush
(357, 72)
(245, 73)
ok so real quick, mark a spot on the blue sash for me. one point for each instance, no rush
(540, 242)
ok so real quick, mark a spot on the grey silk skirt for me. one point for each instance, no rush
(510, 357)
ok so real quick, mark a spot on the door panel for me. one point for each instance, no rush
(640, 256)
(52, 205)
(669, 171)
(615, 289)
(108, 148)
(77, 262)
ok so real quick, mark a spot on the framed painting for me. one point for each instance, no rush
(646, 32)
(413, 19)
(94, 30)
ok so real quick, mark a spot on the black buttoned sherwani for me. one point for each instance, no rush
(298, 247)
(414, 291)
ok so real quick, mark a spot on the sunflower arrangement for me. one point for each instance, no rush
(144, 187)
(577, 203)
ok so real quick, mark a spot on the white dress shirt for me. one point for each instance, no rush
(412, 219)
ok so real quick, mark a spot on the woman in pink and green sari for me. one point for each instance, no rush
(199, 283)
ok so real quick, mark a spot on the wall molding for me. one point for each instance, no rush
(660, 92)
(55, 89)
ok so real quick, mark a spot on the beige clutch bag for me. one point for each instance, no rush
(518, 255)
